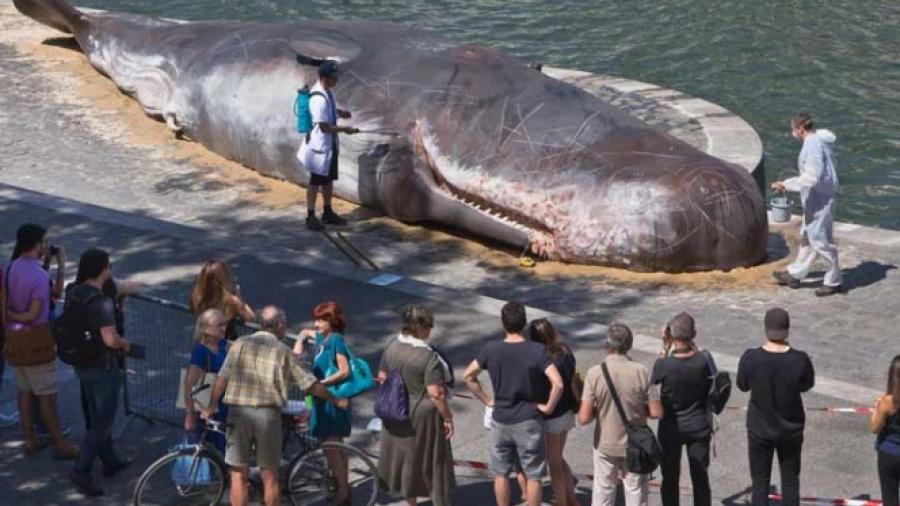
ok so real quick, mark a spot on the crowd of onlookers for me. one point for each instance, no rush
(537, 397)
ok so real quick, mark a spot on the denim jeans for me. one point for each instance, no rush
(101, 389)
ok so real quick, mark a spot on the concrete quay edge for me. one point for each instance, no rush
(481, 303)
(728, 136)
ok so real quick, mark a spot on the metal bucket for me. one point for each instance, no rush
(781, 209)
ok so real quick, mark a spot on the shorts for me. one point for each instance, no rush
(319, 180)
(562, 423)
(249, 426)
(38, 379)
(521, 443)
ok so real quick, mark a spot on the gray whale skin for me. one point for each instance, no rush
(486, 144)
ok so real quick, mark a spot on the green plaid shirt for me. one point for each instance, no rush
(259, 369)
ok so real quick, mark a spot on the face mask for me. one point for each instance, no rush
(794, 132)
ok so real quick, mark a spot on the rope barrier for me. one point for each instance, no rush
(815, 501)
(860, 410)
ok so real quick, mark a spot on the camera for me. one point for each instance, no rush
(54, 250)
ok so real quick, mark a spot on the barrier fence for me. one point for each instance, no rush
(166, 330)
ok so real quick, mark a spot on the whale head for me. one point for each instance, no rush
(503, 151)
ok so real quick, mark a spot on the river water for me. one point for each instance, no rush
(763, 60)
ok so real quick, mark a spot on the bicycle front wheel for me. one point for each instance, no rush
(311, 483)
(187, 477)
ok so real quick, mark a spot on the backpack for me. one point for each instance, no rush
(76, 343)
(301, 109)
(643, 453)
(392, 401)
(720, 385)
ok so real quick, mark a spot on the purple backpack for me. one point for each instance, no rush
(392, 402)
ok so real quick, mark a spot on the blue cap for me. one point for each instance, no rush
(329, 68)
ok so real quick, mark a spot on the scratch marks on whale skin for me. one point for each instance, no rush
(388, 85)
(523, 124)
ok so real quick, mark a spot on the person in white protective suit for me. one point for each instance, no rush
(817, 184)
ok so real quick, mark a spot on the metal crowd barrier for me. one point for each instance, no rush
(165, 329)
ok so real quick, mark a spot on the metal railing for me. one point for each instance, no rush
(165, 329)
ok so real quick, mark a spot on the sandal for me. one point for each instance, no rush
(67, 452)
(34, 446)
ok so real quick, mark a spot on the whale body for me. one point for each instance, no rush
(481, 142)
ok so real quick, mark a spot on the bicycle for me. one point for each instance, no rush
(196, 474)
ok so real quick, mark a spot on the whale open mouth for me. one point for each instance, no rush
(540, 236)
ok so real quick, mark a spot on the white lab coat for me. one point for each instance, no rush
(317, 153)
(818, 185)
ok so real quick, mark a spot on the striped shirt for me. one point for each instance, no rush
(259, 369)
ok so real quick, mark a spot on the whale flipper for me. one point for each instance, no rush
(54, 13)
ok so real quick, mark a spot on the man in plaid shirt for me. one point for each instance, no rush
(257, 373)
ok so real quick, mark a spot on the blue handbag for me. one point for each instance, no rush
(359, 381)
(190, 470)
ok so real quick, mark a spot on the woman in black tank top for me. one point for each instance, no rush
(885, 422)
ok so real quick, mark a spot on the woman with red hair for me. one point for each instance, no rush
(331, 366)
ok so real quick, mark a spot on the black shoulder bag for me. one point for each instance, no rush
(720, 385)
(643, 453)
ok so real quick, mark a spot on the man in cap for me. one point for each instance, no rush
(775, 375)
(682, 375)
(319, 151)
(632, 383)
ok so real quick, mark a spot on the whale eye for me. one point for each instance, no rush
(704, 190)
(379, 150)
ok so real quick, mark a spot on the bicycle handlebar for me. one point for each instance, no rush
(214, 426)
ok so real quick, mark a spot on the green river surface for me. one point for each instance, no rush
(764, 60)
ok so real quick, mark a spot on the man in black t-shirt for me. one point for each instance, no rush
(101, 380)
(776, 375)
(517, 368)
(682, 376)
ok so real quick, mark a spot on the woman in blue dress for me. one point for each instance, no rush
(331, 366)
(207, 356)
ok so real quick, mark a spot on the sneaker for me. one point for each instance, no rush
(85, 484)
(785, 279)
(331, 218)
(825, 290)
(114, 468)
(9, 420)
(313, 223)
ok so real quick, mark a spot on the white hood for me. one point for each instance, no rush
(826, 136)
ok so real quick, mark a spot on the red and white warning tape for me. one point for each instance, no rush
(481, 466)
(815, 501)
(832, 502)
(827, 409)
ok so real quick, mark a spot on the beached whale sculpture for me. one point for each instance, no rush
(485, 144)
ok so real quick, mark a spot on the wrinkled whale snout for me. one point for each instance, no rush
(709, 216)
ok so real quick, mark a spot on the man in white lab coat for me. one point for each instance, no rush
(319, 151)
(817, 184)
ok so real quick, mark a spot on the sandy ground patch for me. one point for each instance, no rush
(114, 116)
